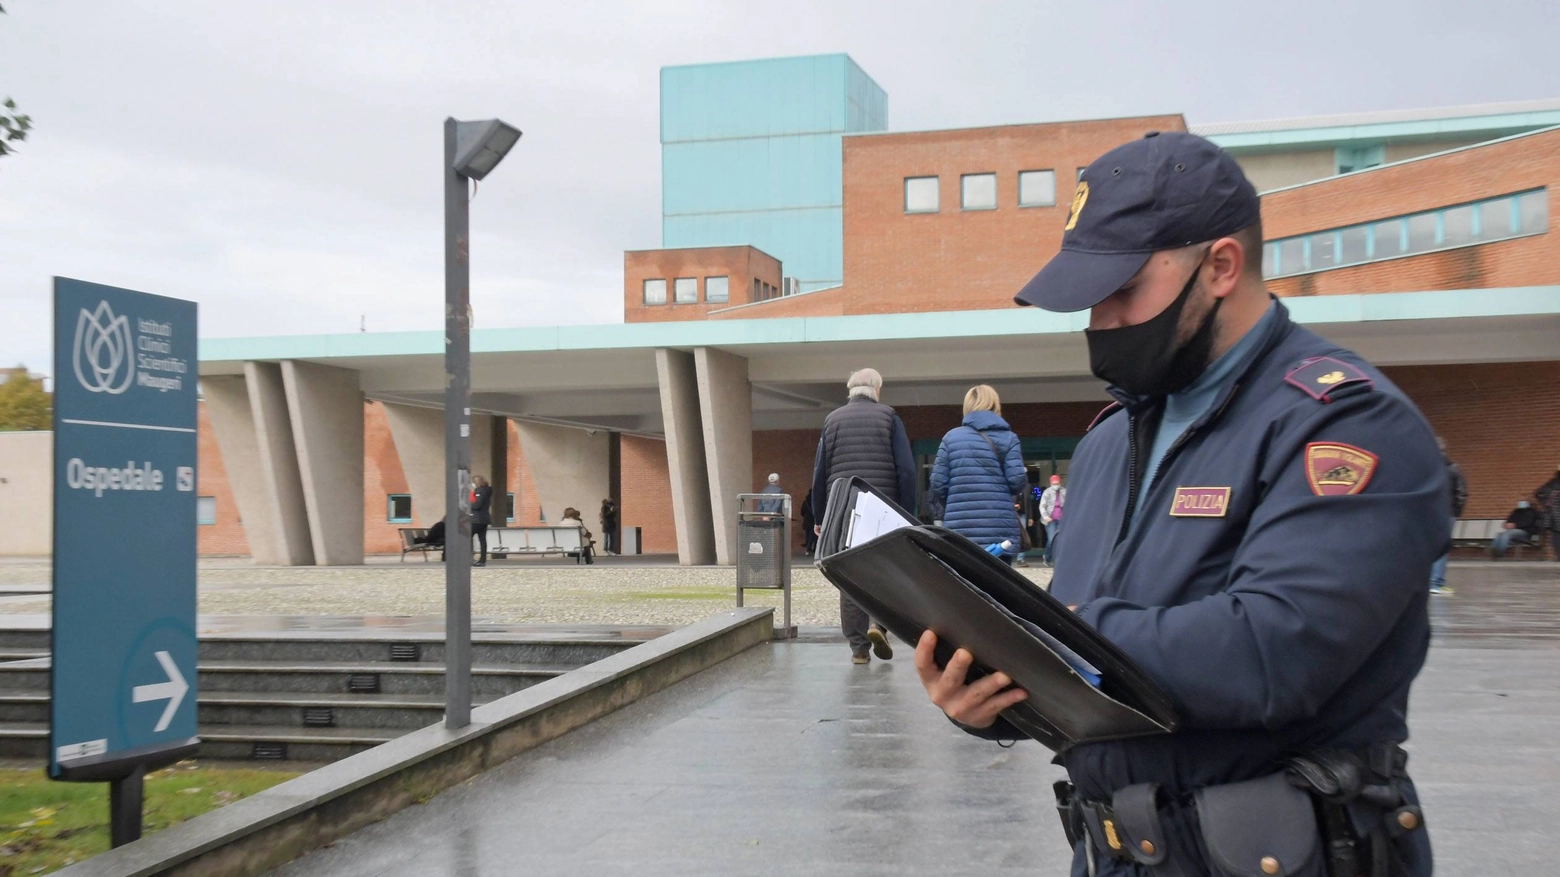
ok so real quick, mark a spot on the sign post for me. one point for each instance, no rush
(122, 688)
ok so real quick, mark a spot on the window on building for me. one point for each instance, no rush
(1533, 212)
(1457, 226)
(655, 292)
(509, 516)
(400, 508)
(1037, 188)
(1423, 232)
(758, 289)
(205, 510)
(978, 192)
(1358, 158)
(1291, 256)
(717, 289)
(1497, 218)
(1354, 245)
(1460, 225)
(685, 290)
(921, 195)
(1324, 250)
(1389, 239)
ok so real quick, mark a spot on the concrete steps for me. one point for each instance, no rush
(307, 696)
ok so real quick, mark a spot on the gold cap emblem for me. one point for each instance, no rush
(1331, 378)
(1080, 198)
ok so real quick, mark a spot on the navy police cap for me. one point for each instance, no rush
(1165, 191)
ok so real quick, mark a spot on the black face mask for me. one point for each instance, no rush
(1143, 359)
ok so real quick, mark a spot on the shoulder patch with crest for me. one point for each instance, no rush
(1323, 377)
(1337, 469)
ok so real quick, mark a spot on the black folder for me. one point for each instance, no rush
(923, 577)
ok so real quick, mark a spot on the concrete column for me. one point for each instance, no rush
(233, 424)
(570, 468)
(286, 515)
(326, 407)
(685, 456)
(418, 434)
(726, 409)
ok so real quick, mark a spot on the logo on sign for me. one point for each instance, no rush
(103, 351)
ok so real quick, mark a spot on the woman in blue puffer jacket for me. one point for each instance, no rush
(979, 470)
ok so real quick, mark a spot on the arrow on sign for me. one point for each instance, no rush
(172, 691)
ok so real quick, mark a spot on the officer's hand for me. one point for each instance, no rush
(817, 529)
(975, 705)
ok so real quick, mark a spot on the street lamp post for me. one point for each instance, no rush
(471, 150)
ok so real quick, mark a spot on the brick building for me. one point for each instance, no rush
(1424, 239)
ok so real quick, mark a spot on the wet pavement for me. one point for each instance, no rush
(789, 760)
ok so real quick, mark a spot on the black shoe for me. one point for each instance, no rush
(480, 563)
(879, 640)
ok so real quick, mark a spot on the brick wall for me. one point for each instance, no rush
(382, 476)
(790, 454)
(647, 494)
(1498, 420)
(956, 259)
(226, 536)
(1495, 169)
(740, 265)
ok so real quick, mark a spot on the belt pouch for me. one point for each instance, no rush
(1260, 828)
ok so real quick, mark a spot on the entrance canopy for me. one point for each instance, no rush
(605, 376)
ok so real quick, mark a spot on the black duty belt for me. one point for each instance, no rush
(1345, 806)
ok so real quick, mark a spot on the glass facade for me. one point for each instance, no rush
(717, 289)
(1494, 219)
(751, 154)
(655, 292)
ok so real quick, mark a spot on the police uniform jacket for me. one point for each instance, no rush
(1273, 578)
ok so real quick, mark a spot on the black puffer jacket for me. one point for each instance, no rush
(864, 438)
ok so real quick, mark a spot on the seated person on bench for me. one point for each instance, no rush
(1520, 526)
(434, 536)
(571, 518)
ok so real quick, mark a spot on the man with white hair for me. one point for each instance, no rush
(771, 506)
(864, 438)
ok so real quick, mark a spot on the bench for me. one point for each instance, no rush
(409, 543)
(1476, 532)
(1480, 533)
(536, 541)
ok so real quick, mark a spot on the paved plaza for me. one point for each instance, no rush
(615, 590)
(788, 760)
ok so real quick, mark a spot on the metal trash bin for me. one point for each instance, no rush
(764, 550)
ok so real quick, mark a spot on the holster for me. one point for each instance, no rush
(1362, 805)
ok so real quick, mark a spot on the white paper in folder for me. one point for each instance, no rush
(872, 518)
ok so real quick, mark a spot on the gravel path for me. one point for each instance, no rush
(546, 594)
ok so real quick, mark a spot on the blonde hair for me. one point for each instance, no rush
(982, 397)
(865, 382)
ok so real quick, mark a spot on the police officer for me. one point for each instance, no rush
(1252, 521)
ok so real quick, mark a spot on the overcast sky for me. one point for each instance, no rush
(278, 161)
